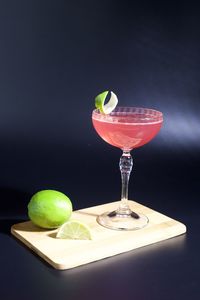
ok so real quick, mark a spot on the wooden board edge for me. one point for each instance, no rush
(61, 266)
(31, 247)
(183, 228)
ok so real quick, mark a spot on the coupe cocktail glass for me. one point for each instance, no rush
(126, 128)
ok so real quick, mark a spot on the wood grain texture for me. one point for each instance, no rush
(66, 254)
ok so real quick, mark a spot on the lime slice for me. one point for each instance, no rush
(74, 230)
(108, 107)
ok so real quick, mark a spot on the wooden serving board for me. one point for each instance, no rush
(66, 254)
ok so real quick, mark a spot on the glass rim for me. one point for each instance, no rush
(154, 116)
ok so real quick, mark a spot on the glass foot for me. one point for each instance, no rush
(114, 220)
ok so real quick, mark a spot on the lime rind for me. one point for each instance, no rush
(74, 230)
(108, 107)
(49, 209)
(100, 99)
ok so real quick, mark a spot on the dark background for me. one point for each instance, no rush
(55, 57)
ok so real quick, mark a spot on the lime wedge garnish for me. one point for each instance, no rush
(74, 230)
(109, 106)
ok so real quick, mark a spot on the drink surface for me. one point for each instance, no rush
(128, 128)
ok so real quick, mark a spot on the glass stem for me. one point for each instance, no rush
(125, 165)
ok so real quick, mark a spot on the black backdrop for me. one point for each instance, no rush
(55, 57)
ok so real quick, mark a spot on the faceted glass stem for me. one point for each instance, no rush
(125, 165)
(123, 218)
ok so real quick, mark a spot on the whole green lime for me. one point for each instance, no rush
(49, 209)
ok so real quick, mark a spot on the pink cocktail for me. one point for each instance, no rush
(126, 128)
